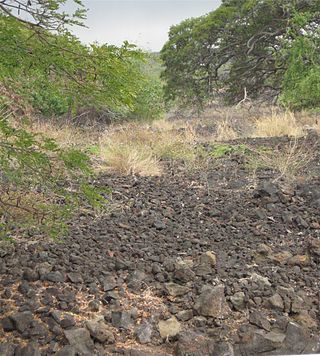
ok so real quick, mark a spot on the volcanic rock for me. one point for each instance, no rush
(183, 273)
(176, 290)
(81, 341)
(75, 277)
(7, 324)
(31, 349)
(135, 280)
(275, 302)
(259, 319)
(30, 275)
(185, 315)
(67, 351)
(67, 322)
(100, 331)
(22, 321)
(54, 277)
(212, 302)
(238, 300)
(143, 333)
(260, 280)
(195, 344)
(263, 342)
(296, 338)
(109, 283)
(121, 319)
(7, 349)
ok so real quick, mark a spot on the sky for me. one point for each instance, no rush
(143, 22)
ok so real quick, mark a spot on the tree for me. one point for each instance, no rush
(43, 66)
(260, 32)
(301, 82)
(243, 45)
(182, 71)
(56, 74)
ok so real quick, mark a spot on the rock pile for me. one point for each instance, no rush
(186, 267)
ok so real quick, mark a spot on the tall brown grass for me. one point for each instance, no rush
(64, 134)
(225, 131)
(130, 159)
(278, 124)
(139, 149)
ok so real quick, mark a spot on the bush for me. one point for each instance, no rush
(41, 185)
(56, 74)
(301, 84)
(149, 101)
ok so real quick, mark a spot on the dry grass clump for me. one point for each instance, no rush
(138, 149)
(278, 124)
(126, 159)
(224, 128)
(176, 145)
(127, 150)
(165, 125)
(291, 162)
(225, 131)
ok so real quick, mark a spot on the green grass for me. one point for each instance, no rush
(94, 149)
(223, 150)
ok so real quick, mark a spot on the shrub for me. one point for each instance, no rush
(41, 184)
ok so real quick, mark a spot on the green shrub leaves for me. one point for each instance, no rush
(266, 49)
(41, 185)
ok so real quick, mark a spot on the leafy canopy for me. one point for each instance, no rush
(56, 74)
(45, 68)
(247, 45)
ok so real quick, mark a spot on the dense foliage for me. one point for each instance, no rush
(56, 74)
(267, 48)
(41, 184)
(45, 71)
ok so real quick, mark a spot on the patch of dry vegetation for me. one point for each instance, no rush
(65, 134)
(290, 162)
(225, 131)
(139, 149)
(127, 159)
(228, 123)
(278, 124)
